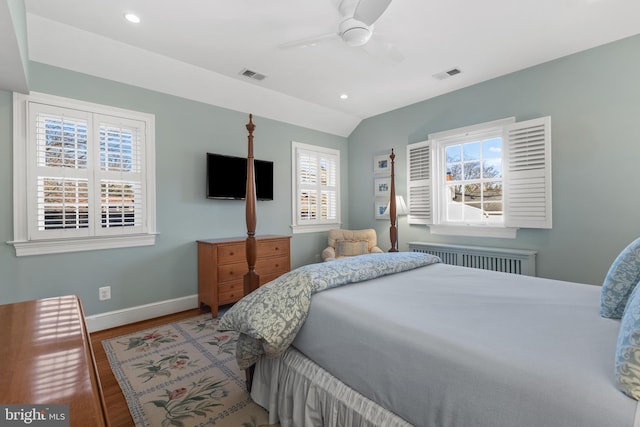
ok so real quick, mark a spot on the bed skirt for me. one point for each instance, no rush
(297, 392)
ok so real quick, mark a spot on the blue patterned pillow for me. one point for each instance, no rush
(628, 348)
(620, 281)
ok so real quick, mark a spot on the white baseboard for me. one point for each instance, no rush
(115, 318)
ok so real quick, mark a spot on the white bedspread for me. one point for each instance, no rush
(450, 346)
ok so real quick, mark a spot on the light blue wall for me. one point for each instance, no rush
(185, 131)
(19, 19)
(593, 99)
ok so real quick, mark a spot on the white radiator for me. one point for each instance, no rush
(517, 261)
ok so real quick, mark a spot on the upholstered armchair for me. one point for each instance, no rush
(343, 243)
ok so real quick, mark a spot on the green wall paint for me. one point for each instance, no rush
(19, 19)
(185, 131)
(593, 98)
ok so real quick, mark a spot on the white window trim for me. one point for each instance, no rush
(316, 227)
(474, 230)
(301, 229)
(432, 217)
(472, 129)
(21, 242)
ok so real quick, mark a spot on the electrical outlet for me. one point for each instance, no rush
(104, 293)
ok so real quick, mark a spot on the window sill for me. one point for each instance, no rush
(473, 231)
(56, 246)
(299, 229)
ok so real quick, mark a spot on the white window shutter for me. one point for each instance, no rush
(329, 190)
(419, 189)
(120, 204)
(528, 174)
(57, 152)
(317, 181)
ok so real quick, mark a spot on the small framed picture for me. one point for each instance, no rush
(381, 164)
(381, 207)
(382, 187)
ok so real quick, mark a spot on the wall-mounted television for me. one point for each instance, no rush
(227, 177)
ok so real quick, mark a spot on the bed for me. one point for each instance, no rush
(400, 339)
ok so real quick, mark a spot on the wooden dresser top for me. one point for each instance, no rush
(46, 358)
(242, 239)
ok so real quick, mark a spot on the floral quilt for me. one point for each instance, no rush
(269, 318)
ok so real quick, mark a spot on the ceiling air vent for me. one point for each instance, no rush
(252, 74)
(446, 74)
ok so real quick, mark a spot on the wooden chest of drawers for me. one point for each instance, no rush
(222, 264)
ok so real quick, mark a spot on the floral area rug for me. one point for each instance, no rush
(183, 374)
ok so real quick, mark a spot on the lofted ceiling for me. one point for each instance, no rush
(210, 42)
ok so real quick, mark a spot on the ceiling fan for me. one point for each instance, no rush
(356, 26)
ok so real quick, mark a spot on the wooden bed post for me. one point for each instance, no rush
(251, 279)
(393, 232)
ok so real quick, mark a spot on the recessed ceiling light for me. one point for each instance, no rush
(132, 17)
(344, 96)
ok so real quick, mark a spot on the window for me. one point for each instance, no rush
(84, 176)
(483, 180)
(316, 196)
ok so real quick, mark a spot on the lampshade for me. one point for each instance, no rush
(401, 207)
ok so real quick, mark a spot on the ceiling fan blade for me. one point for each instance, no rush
(309, 41)
(368, 11)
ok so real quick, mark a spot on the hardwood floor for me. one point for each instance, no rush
(117, 409)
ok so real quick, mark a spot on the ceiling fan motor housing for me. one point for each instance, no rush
(354, 32)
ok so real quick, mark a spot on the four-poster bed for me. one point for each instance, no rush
(399, 339)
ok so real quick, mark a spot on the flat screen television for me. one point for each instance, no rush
(227, 177)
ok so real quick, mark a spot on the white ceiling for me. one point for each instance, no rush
(211, 41)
